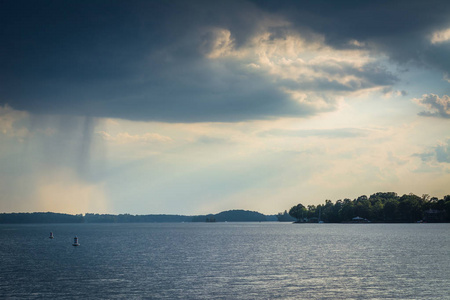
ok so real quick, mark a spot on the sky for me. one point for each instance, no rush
(194, 107)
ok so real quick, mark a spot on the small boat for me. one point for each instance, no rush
(75, 242)
(51, 235)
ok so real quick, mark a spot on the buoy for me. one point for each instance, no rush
(75, 242)
(51, 235)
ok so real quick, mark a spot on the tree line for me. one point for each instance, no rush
(39, 217)
(50, 217)
(379, 207)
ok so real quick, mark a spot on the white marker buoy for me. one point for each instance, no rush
(51, 235)
(75, 242)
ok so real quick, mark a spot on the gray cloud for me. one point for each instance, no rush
(325, 133)
(443, 152)
(211, 140)
(440, 153)
(425, 156)
(401, 29)
(144, 60)
(437, 106)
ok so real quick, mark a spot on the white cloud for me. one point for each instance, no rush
(302, 66)
(356, 43)
(446, 77)
(217, 42)
(126, 138)
(9, 118)
(389, 93)
(440, 36)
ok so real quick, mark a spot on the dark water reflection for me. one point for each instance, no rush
(226, 261)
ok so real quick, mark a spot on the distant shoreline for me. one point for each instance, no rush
(51, 218)
(225, 216)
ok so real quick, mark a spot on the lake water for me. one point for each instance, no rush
(225, 261)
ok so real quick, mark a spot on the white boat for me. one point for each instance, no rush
(75, 242)
(51, 235)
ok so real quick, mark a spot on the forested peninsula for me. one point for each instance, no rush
(379, 208)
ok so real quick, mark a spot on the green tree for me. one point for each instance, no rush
(390, 210)
(376, 211)
(347, 211)
(410, 207)
(299, 211)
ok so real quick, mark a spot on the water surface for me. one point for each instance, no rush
(226, 261)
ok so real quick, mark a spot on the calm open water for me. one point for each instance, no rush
(226, 261)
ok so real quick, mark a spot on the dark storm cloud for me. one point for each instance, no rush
(133, 60)
(143, 60)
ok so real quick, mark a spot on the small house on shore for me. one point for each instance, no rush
(359, 220)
